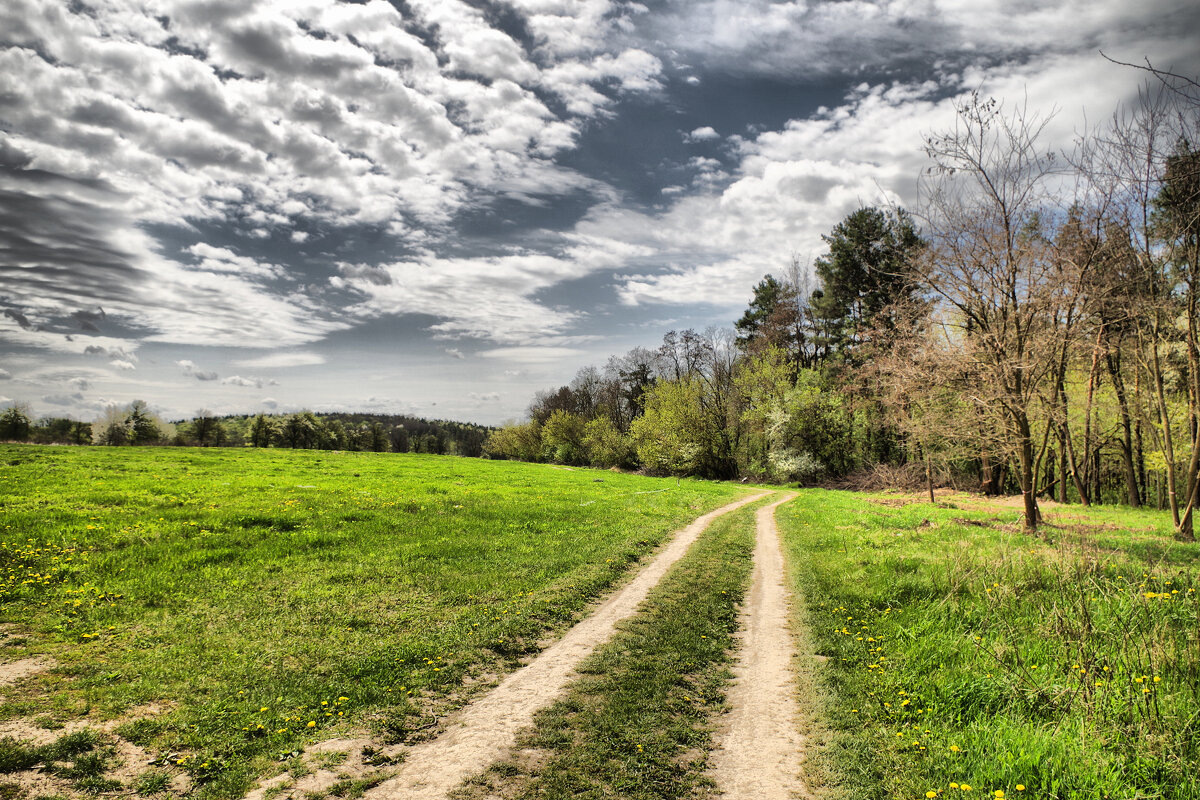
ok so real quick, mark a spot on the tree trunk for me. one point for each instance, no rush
(1126, 442)
(1032, 515)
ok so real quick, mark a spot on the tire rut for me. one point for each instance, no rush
(759, 755)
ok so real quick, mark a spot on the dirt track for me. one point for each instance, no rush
(758, 757)
(485, 730)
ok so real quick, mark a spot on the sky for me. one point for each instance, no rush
(438, 207)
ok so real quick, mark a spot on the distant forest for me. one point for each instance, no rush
(135, 424)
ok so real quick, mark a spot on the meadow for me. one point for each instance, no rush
(959, 656)
(226, 607)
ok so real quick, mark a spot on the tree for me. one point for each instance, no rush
(986, 210)
(144, 427)
(206, 428)
(263, 431)
(15, 423)
(866, 273)
(562, 438)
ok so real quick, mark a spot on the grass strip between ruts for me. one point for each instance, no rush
(638, 723)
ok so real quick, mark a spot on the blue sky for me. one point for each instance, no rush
(437, 207)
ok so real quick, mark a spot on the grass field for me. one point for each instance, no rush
(258, 600)
(963, 657)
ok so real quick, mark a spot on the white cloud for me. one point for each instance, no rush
(483, 298)
(533, 354)
(270, 402)
(283, 360)
(5, 375)
(274, 113)
(238, 380)
(122, 364)
(192, 370)
(705, 134)
(485, 397)
(454, 352)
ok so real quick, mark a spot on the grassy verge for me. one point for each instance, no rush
(259, 600)
(966, 658)
(638, 725)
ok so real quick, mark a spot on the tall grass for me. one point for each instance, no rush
(965, 657)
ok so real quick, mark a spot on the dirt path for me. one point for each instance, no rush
(485, 730)
(758, 757)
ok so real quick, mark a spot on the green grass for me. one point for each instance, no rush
(637, 725)
(263, 599)
(963, 653)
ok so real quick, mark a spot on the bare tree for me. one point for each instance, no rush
(990, 261)
(1146, 165)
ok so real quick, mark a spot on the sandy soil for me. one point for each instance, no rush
(485, 730)
(759, 753)
(16, 670)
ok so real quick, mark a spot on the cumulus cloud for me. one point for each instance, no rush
(5, 375)
(238, 380)
(190, 369)
(125, 120)
(283, 360)
(705, 134)
(63, 399)
(454, 352)
(122, 364)
(485, 397)
(270, 402)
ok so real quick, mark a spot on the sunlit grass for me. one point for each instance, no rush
(269, 598)
(965, 657)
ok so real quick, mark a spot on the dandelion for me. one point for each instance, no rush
(312, 723)
(954, 748)
(931, 794)
(1020, 787)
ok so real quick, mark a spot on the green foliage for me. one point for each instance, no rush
(229, 581)
(671, 435)
(959, 652)
(866, 270)
(605, 445)
(562, 438)
(520, 441)
(14, 424)
(768, 295)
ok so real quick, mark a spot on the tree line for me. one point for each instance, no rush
(1029, 327)
(136, 424)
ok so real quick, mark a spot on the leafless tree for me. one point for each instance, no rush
(989, 217)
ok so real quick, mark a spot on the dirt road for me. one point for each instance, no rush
(484, 731)
(758, 757)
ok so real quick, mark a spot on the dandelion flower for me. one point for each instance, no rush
(931, 794)
(954, 748)
(312, 723)
(1020, 787)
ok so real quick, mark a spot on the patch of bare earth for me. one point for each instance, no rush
(486, 729)
(127, 762)
(14, 671)
(761, 749)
